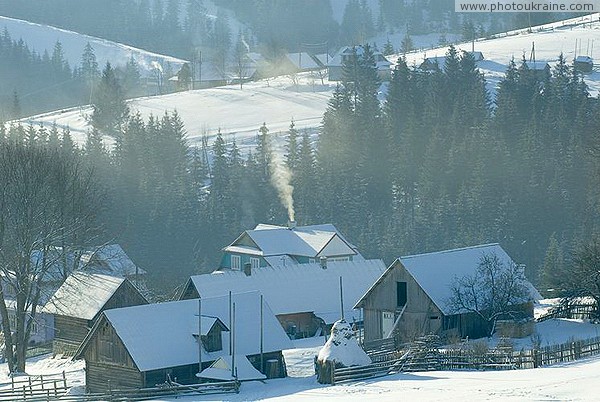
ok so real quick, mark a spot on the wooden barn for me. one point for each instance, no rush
(142, 346)
(412, 296)
(80, 300)
(304, 297)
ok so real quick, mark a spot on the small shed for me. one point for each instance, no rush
(80, 300)
(142, 346)
(412, 296)
(583, 64)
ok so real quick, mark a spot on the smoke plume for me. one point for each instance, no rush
(281, 178)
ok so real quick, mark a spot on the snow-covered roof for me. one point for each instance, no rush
(381, 62)
(323, 58)
(435, 272)
(298, 288)
(537, 65)
(83, 295)
(221, 370)
(584, 59)
(162, 335)
(307, 241)
(207, 322)
(303, 61)
(110, 259)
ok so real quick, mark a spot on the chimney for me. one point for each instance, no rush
(291, 225)
(323, 262)
(248, 269)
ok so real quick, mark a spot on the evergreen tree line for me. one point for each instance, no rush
(31, 83)
(440, 165)
(436, 165)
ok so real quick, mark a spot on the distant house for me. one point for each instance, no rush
(79, 302)
(412, 296)
(205, 74)
(269, 245)
(539, 69)
(335, 66)
(142, 346)
(438, 62)
(299, 62)
(584, 64)
(304, 297)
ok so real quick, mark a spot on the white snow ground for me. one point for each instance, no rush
(236, 112)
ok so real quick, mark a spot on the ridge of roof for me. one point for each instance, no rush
(454, 250)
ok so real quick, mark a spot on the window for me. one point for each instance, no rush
(236, 262)
(254, 263)
(400, 294)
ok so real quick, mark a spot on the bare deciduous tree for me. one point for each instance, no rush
(495, 290)
(48, 204)
(583, 279)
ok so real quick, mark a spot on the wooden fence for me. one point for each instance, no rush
(35, 388)
(462, 359)
(580, 311)
(54, 387)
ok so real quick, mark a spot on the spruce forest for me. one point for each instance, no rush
(436, 164)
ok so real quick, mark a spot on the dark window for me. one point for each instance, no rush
(400, 294)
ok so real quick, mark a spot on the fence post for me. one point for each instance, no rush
(64, 379)
(332, 370)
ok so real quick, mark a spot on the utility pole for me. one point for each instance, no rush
(341, 298)
(199, 335)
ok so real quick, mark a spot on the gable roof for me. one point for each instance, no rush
(162, 335)
(299, 288)
(435, 272)
(303, 61)
(306, 241)
(109, 259)
(221, 370)
(83, 295)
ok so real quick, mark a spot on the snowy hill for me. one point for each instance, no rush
(43, 37)
(239, 113)
(550, 40)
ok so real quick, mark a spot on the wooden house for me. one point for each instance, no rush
(80, 300)
(412, 297)
(269, 245)
(583, 64)
(437, 62)
(142, 346)
(539, 69)
(345, 54)
(304, 297)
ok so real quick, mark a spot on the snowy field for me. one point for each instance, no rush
(577, 381)
(236, 112)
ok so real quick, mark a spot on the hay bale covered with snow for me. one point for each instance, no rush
(341, 350)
